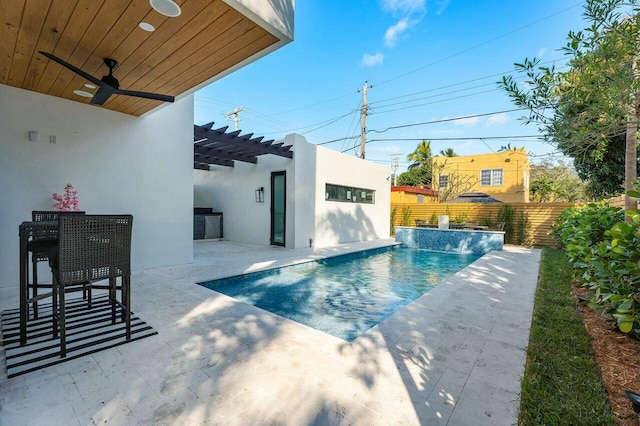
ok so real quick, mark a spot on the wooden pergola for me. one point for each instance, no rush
(216, 146)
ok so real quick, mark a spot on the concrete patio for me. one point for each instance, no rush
(455, 356)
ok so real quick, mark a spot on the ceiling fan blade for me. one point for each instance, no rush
(103, 93)
(146, 95)
(72, 68)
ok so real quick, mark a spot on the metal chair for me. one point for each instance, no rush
(92, 248)
(498, 226)
(39, 246)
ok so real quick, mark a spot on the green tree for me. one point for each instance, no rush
(449, 152)
(590, 109)
(415, 177)
(421, 157)
(556, 182)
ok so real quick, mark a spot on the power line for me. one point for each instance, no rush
(480, 138)
(481, 44)
(340, 139)
(500, 74)
(202, 98)
(455, 139)
(435, 102)
(402, 126)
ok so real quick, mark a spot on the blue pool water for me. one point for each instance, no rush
(345, 295)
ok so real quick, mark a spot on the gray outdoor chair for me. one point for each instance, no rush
(92, 248)
(39, 247)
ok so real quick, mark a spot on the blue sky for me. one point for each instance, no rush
(427, 60)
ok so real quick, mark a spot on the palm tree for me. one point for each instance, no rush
(421, 157)
(449, 152)
(506, 147)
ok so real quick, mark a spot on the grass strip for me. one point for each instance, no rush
(561, 384)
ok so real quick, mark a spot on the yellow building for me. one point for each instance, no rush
(411, 194)
(502, 175)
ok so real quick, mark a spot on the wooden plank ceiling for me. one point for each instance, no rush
(208, 38)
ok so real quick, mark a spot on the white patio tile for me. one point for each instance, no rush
(219, 361)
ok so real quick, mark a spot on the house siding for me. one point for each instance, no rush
(515, 173)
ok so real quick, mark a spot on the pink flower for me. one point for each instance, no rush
(68, 201)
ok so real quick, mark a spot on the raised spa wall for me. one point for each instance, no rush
(450, 240)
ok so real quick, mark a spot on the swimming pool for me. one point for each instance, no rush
(345, 295)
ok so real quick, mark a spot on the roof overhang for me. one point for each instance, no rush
(217, 147)
(210, 39)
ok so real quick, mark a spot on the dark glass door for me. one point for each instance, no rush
(278, 207)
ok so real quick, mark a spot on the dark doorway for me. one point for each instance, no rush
(278, 207)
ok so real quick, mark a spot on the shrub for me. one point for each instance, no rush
(486, 221)
(584, 226)
(406, 216)
(394, 213)
(605, 254)
(506, 215)
(434, 218)
(523, 228)
(461, 218)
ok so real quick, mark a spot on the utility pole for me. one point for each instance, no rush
(363, 119)
(234, 114)
(394, 168)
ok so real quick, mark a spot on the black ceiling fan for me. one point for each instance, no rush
(108, 85)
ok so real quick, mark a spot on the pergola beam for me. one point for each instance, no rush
(215, 146)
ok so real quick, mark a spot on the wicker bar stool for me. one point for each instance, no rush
(92, 248)
(39, 246)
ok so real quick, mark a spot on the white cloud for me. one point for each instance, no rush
(403, 6)
(497, 119)
(471, 121)
(391, 149)
(442, 5)
(395, 31)
(409, 14)
(464, 145)
(443, 132)
(372, 60)
(542, 52)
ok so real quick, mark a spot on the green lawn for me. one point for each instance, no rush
(561, 385)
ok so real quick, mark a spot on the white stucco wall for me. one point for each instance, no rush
(309, 216)
(118, 164)
(343, 222)
(231, 190)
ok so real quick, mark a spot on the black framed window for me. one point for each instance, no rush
(349, 194)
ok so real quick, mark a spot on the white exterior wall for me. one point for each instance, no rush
(343, 222)
(231, 190)
(118, 164)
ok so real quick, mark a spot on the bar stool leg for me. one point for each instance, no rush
(112, 298)
(34, 263)
(126, 290)
(63, 325)
(54, 306)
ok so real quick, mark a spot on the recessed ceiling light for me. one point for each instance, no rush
(166, 7)
(146, 26)
(89, 86)
(83, 93)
